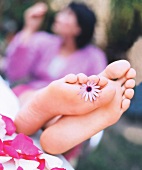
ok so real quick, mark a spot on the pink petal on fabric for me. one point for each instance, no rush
(7, 142)
(25, 145)
(1, 149)
(10, 127)
(4, 159)
(2, 128)
(27, 157)
(42, 164)
(26, 164)
(58, 169)
(2, 153)
(20, 168)
(1, 145)
(51, 161)
(1, 167)
(10, 151)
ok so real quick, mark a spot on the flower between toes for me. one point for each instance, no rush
(90, 91)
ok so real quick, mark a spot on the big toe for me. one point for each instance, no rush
(131, 74)
(116, 70)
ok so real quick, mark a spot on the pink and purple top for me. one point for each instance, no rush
(37, 63)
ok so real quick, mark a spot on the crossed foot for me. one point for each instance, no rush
(61, 98)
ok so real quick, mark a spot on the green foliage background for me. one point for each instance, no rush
(124, 27)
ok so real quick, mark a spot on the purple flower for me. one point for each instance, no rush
(90, 91)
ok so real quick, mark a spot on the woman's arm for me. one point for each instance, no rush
(22, 51)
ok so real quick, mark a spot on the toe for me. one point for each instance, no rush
(116, 69)
(71, 78)
(125, 105)
(102, 81)
(82, 78)
(129, 84)
(129, 93)
(131, 74)
(94, 78)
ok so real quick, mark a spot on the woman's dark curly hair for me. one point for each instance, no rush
(86, 20)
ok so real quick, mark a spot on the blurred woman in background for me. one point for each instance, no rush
(36, 58)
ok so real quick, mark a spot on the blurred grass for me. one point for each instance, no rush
(113, 153)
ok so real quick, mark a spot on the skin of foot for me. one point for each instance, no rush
(69, 131)
(61, 97)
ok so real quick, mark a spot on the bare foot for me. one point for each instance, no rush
(72, 130)
(124, 85)
(61, 97)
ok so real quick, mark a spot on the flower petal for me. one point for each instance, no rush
(27, 157)
(96, 87)
(51, 161)
(95, 94)
(94, 98)
(4, 159)
(1, 167)
(7, 142)
(86, 97)
(41, 164)
(25, 145)
(97, 90)
(10, 151)
(1, 149)
(20, 168)
(2, 128)
(90, 97)
(1, 145)
(84, 94)
(26, 164)
(10, 127)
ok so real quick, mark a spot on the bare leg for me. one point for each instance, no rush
(72, 130)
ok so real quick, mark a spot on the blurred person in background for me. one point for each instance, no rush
(36, 58)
